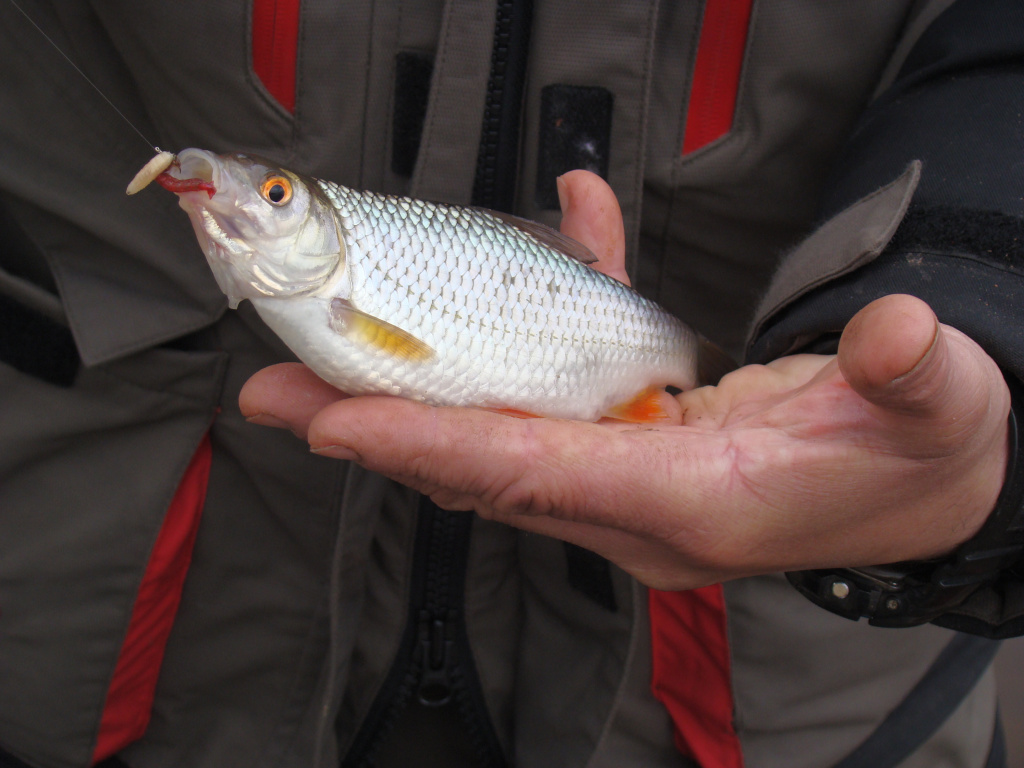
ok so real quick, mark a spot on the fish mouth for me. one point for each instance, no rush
(179, 186)
(194, 173)
(214, 216)
(197, 171)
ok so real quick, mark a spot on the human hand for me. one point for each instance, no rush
(893, 449)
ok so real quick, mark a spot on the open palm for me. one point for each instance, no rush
(893, 449)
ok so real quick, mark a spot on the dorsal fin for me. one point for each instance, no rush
(545, 235)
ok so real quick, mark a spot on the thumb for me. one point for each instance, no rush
(591, 215)
(896, 355)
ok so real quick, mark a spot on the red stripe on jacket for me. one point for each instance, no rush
(275, 47)
(129, 701)
(716, 73)
(691, 674)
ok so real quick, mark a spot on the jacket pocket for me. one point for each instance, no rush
(34, 335)
(88, 473)
(275, 47)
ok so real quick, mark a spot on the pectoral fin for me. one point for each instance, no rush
(374, 332)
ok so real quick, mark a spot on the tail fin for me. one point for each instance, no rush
(713, 362)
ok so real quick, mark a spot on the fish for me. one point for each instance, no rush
(443, 304)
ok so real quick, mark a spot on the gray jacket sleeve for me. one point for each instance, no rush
(927, 199)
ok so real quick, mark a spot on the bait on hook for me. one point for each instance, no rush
(157, 165)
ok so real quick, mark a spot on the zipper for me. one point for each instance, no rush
(497, 163)
(434, 666)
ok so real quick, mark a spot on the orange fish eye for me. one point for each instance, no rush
(276, 190)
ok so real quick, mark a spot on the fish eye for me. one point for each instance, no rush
(276, 190)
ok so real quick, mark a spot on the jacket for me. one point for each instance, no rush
(178, 587)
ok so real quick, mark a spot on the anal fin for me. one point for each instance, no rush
(645, 408)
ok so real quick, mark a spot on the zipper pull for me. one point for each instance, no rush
(435, 650)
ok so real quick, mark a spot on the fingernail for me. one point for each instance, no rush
(267, 420)
(336, 452)
(564, 195)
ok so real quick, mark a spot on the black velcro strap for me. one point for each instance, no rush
(928, 705)
(575, 132)
(412, 92)
(989, 236)
(36, 345)
(590, 574)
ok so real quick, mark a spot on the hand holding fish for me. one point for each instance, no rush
(893, 449)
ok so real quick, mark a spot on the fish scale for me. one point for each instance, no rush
(514, 371)
(442, 304)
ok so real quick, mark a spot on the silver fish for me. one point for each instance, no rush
(442, 304)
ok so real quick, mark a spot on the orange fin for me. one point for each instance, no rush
(372, 331)
(645, 408)
(514, 413)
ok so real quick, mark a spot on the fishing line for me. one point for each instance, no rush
(90, 82)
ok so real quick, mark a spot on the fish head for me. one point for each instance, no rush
(265, 230)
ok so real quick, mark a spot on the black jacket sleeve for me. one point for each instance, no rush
(957, 106)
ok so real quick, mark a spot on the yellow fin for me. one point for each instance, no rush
(374, 332)
(645, 408)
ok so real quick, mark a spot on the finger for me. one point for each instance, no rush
(591, 215)
(938, 392)
(750, 390)
(470, 453)
(895, 354)
(287, 395)
(538, 467)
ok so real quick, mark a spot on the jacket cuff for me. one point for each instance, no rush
(961, 262)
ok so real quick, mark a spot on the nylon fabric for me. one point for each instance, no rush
(691, 673)
(927, 706)
(129, 701)
(297, 588)
(997, 756)
(275, 47)
(449, 145)
(782, 676)
(717, 219)
(61, 635)
(612, 46)
(716, 74)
